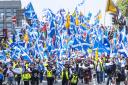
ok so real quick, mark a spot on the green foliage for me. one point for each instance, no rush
(122, 5)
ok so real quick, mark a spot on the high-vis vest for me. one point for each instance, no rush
(62, 75)
(74, 79)
(26, 65)
(14, 64)
(101, 66)
(26, 76)
(49, 74)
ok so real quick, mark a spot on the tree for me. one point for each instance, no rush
(122, 6)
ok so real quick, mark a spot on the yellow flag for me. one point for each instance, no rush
(99, 16)
(44, 45)
(26, 38)
(68, 17)
(74, 14)
(10, 41)
(77, 21)
(111, 7)
(96, 55)
(67, 24)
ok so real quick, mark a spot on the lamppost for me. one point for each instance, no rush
(4, 26)
(2, 16)
(127, 15)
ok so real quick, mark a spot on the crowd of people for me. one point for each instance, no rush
(51, 52)
(19, 72)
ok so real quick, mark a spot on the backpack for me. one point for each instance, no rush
(1, 76)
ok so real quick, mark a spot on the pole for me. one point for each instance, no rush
(3, 24)
(104, 19)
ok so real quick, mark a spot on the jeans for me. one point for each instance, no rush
(50, 81)
(41, 78)
(11, 81)
(109, 79)
(100, 77)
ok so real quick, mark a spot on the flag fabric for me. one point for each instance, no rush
(122, 50)
(29, 12)
(111, 7)
(96, 55)
(26, 39)
(62, 33)
(77, 21)
(98, 15)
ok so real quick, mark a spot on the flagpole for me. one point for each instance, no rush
(104, 19)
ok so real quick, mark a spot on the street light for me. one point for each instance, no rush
(4, 28)
(126, 10)
(2, 15)
(126, 15)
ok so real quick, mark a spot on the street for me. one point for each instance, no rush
(79, 83)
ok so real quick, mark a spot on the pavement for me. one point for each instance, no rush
(60, 83)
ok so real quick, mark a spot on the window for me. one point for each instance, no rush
(14, 10)
(1, 10)
(14, 13)
(8, 14)
(8, 10)
(1, 25)
(9, 25)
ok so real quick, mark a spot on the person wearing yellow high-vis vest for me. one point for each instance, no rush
(26, 76)
(26, 65)
(99, 72)
(65, 76)
(74, 79)
(18, 74)
(49, 76)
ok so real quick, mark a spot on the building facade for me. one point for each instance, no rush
(9, 9)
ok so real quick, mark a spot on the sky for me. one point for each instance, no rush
(92, 6)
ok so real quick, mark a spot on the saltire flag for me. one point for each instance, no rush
(2, 55)
(76, 45)
(122, 50)
(52, 24)
(25, 56)
(29, 12)
(85, 45)
(52, 32)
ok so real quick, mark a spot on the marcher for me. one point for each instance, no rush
(74, 79)
(26, 77)
(18, 74)
(10, 76)
(65, 76)
(126, 71)
(1, 76)
(49, 76)
(81, 71)
(35, 76)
